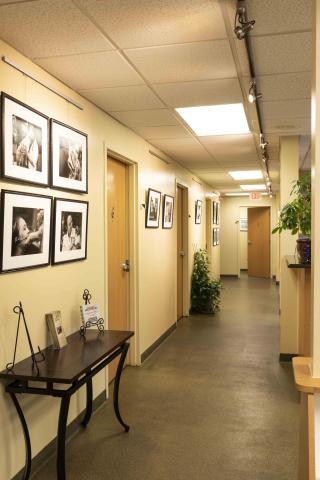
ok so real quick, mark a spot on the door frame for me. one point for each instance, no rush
(185, 277)
(134, 357)
(270, 230)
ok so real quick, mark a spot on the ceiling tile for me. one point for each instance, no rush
(92, 70)
(206, 92)
(225, 146)
(291, 109)
(274, 16)
(123, 98)
(283, 53)
(178, 63)
(140, 23)
(285, 126)
(48, 28)
(150, 118)
(285, 86)
(162, 132)
(183, 149)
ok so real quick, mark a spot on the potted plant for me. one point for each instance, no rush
(205, 292)
(296, 216)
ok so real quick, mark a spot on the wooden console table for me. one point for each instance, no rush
(73, 365)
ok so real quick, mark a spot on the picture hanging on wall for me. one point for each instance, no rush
(70, 231)
(25, 230)
(24, 142)
(243, 224)
(198, 212)
(69, 158)
(214, 213)
(153, 209)
(216, 237)
(167, 218)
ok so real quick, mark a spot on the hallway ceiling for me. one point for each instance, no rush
(138, 59)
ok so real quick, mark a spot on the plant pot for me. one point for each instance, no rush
(304, 249)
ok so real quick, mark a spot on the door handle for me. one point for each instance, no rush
(182, 253)
(126, 266)
(249, 242)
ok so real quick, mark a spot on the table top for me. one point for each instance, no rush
(293, 262)
(72, 361)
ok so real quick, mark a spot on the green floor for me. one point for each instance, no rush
(211, 403)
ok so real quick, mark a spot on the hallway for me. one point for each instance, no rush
(211, 403)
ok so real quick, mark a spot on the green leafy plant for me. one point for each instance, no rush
(205, 292)
(296, 215)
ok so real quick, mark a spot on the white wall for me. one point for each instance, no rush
(230, 232)
(60, 287)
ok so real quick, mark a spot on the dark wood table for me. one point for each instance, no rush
(73, 365)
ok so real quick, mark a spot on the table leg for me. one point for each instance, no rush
(27, 468)
(62, 427)
(88, 413)
(117, 384)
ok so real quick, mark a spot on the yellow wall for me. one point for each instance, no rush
(60, 287)
(230, 232)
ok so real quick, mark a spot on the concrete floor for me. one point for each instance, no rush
(211, 403)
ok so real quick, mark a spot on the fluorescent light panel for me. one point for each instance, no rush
(229, 119)
(253, 188)
(246, 175)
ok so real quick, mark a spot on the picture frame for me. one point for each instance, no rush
(25, 238)
(214, 212)
(198, 212)
(243, 224)
(153, 208)
(24, 142)
(214, 237)
(70, 231)
(69, 158)
(167, 211)
(217, 236)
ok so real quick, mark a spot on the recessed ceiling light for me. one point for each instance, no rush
(246, 175)
(227, 119)
(253, 188)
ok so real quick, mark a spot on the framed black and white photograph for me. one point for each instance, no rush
(216, 213)
(243, 224)
(69, 158)
(167, 215)
(25, 230)
(153, 208)
(216, 237)
(25, 142)
(198, 212)
(70, 231)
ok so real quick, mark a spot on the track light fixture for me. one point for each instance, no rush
(253, 96)
(244, 26)
(263, 142)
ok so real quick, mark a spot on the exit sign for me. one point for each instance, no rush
(255, 195)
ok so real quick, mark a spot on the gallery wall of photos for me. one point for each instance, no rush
(153, 209)
(39, 230)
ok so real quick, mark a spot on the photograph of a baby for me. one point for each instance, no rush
(26, 144)
(70, 231)
(70, 161)
(27, 231)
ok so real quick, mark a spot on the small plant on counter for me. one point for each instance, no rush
(296, 216)
(205, 292)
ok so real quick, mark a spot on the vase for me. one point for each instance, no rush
(304, 249)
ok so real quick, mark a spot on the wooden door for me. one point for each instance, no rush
(180, 250)
(259, 242)
(117, 224)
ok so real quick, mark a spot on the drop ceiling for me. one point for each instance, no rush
(140, 59)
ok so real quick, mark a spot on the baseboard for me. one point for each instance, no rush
(243, 269)
(50, 450)
(287, 357)
(158, 342)
(229, 275)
